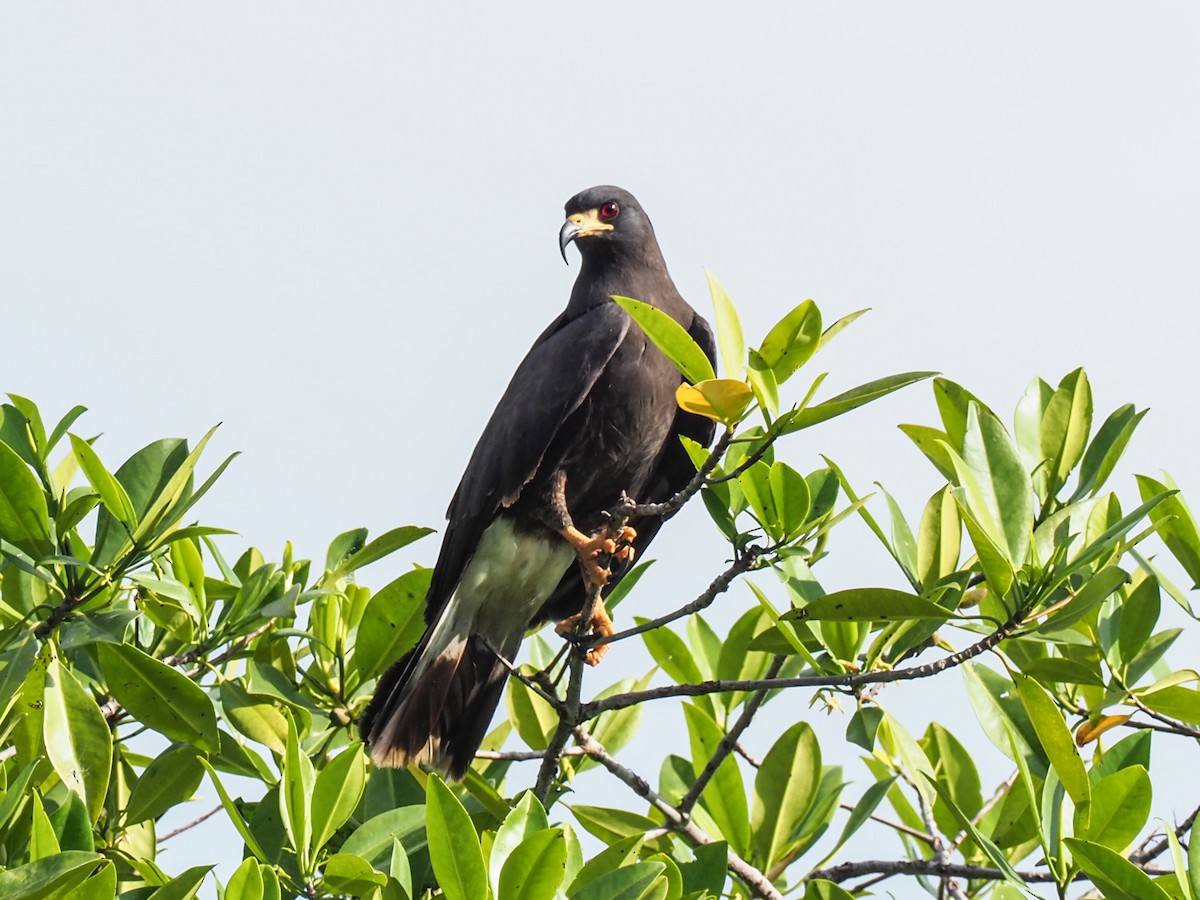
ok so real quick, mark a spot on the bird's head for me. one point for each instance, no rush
(605, 219)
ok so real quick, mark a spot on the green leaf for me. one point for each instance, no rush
(353, 875)
(392, 623)
(43, 841)
(184, 886)
(935, 445)
(143, 477)
(939, 541)
(24, 519)
(1106, 450)
(792, 502)
(1176, 702)
(54, 876)
(77, 738)
(453, 845)
(784, 788)
(671, 338)
(372, 840)
(729, 328)
(16, 662)
(296, 796)
(725, 796)
(794, 339)
(382, 546)
(339, 787)
(1056, 740)
(636, 882)
(1175, 524)
(1003, 500)
(246, 882)
(534, 718)
(535, 868)
(526, 819)
(820, 889)
(1120, 807)
(852, 399)
(755, 483)
(999, 860)
(610, 825)
(1066, 425)
(170, 780)
(869, 605)
(256, 716)
(159, 696)
(112, 495)
(235, 814)
(1116, 876)
(862, 811)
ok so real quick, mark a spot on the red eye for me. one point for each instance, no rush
(609, 210)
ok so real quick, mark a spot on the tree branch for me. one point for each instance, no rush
(850, 681)
(934, 869)
(755, 880)
(728, 742)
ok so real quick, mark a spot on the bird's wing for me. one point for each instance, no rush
(672, 474)
(550, 383)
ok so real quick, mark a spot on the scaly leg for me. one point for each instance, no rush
(601, 624)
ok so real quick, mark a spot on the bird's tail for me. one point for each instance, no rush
(433, 706)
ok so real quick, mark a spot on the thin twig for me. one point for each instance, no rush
(933, 868)
(671, 506)
(849, 681)
(745, 562)
(728, 742)
(192, 824)
(754, 879)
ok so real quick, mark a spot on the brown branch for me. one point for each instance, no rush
(523, 755)
(728, 742)
(896, 826)
(192, 824)
(755, 880)
(671, 506)
(569, 712)
(745, 562)
(1148, 851)
(849, 681)
(933, 868)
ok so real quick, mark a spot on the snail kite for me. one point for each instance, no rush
(589, 414)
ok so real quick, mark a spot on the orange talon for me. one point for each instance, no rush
(601, 625)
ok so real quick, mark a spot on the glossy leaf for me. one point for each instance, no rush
(160, 696)
(853, 399)
(392, 623)
(1176, 525)
(453, 845)
(296, 785)
(869, 605)
(1106, 450)
(636, 882)
(1056, 740)
(535, 868)
(793, 340)
(671, 338)
(720, 399)
(171, 779)
(24, 519)
(1116, 876)
(939, 540)
(725, 796)
(784, 788)
(77, 738)
(336, 793)
(184, 886)
(526, 819)
(729, 328)
(1120, 808)
(53, 876)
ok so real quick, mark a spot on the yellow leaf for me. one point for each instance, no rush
(721, 399)
(1089, 731)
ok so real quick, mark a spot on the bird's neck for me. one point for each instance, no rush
(603, 273)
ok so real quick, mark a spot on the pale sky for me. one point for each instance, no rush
(333, 229)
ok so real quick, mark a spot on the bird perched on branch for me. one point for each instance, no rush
(589, 414)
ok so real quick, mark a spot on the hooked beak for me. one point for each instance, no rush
(579, 225)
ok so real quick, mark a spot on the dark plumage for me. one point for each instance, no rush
(589, 413)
